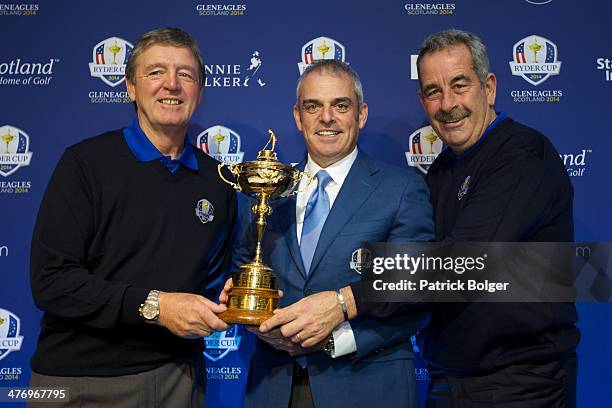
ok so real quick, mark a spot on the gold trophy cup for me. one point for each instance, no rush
(255, 292)
(7, 138)
(431, 138)
(219, 138)
(323, 49)
(535, 47)
(115, 50)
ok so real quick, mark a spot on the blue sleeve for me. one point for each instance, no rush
(413, 222)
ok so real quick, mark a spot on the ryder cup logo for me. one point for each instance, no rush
(463, 188)
(109, 60)
(205, 211)
(424, 146)
(361, 259)
(219, 344)
(535, 59)
(320, 49)
(221, 143)
(10, 340)
(14, 150)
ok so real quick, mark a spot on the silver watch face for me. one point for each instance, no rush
(150, 311)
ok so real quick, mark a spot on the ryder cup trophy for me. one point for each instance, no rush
(255, 292)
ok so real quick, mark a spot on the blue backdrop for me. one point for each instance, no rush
(61, 80)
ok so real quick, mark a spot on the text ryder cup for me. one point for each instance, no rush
(213, 343)
(17, 158)
(10, 343)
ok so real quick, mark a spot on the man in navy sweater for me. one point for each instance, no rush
(498, 181)
(133, 232)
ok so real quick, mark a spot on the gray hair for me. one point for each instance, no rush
(335, 67)
(165, 36)
(452, 37)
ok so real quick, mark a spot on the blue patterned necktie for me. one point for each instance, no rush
(314, 218)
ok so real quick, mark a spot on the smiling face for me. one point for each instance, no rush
(459, 107)
(328, 114)
(166, 89)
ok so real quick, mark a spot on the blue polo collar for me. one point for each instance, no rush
(145, 151)
(500, 116)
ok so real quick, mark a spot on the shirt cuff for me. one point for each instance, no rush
(132, 299)
(344, 340)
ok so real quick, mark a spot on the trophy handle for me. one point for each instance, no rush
(231, 169)
(297, 191)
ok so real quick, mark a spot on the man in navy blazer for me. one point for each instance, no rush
(367, 362)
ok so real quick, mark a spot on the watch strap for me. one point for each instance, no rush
(151, 300)
(343, 305)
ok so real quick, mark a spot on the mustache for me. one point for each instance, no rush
(454, 115)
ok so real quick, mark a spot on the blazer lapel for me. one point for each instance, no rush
(359, 184)
(285, 214)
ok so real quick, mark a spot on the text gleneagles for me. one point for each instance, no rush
(412, 264)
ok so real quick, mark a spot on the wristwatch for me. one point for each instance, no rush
(149, 310)
(330, 348)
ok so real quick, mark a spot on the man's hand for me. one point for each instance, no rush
(276, 339)
(223, 296)
(308, 322)
(189, 316)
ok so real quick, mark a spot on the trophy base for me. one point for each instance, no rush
(250, 306)
(254, 296)
(246, 317)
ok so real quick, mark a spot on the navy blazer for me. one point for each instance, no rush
(377, 203)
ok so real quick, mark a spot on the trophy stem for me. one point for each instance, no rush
(262, 210)
(254, 295)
